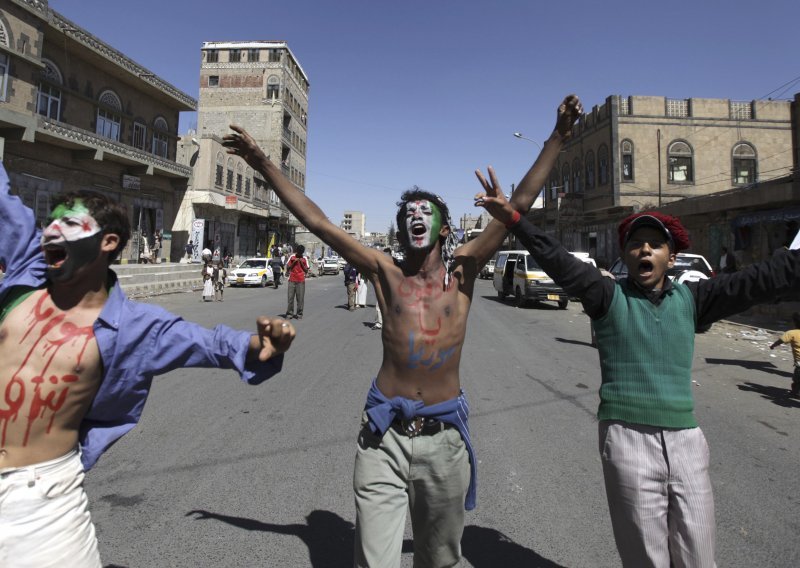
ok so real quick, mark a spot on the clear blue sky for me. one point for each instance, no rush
(425, 91)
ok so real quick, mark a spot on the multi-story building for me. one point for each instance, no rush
(635, 153)
(355, 223)
(75, 113)
(261, 86)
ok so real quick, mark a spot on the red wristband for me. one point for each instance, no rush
(515, 217)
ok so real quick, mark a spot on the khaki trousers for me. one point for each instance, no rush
(659, 495)
(429, 476)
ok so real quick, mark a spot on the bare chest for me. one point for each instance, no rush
(50, 368)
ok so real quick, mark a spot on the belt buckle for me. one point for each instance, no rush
(413, 427)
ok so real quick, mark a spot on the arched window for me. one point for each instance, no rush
(565, 178)
(576, 176)
(220, 171)
(602, 165)
(626, 148)
(49, 100)
(160, 140)
(273, 87)
(229, 175)
(109, 115)
(589, 166)
(553, 185)
(680, 168)
(239, 178)
(744, 164)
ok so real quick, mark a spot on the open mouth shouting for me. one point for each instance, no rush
(645, 269)
(54, 255)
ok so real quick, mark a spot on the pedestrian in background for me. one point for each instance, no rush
(297, 267)
(208, 283)
(189, 248)
(792, 337)
(727, 261)
(220, 278)
(276, 264)
(350, 276)
(378, 315)
(361, 291)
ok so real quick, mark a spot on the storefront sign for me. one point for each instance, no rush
(230, 201)
(131, 182)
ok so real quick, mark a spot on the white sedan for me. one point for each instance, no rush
(251, 272)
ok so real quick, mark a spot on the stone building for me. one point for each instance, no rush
(355, 223)
(635, 153)
(261, 86)
(77, 114)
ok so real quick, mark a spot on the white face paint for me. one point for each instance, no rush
(423, 223)
(69, 224)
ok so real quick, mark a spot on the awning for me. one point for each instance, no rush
(770, 216)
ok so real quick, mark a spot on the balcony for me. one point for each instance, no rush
(91, 146)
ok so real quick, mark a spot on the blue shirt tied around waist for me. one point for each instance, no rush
(382, 411)
(136, 341)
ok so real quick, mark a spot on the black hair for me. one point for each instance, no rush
(418, 194)
(299, 250)
(111, 216)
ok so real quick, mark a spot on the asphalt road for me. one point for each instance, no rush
(219, 473)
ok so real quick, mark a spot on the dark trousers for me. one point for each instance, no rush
(295, 289)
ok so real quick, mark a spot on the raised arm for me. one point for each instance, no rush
(484, 246)
(240, 143)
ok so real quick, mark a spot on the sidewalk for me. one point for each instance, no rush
(770, 317)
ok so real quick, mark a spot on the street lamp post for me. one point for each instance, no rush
(521, 137)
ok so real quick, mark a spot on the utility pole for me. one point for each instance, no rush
(658, 144)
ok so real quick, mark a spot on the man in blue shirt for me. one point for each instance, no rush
(77, 360)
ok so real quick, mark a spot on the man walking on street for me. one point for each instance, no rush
(414, 449)
(350, 279)
(296, 267)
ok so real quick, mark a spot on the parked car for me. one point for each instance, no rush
(688, 267)
(516, 273)
(252, 272)
(329, 266)
(487, 271)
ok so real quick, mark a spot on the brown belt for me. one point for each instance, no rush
(419, 427)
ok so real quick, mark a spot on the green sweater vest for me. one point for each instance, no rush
(646, 358)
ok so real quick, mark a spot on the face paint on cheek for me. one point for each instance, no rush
(70, 224)
(79, 253)
(435, 224)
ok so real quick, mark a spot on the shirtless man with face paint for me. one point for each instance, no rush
(76, 362)
(416, 415)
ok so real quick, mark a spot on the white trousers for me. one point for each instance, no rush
(44, 516)
(659, 495)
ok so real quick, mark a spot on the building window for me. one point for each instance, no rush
(680, 163)
(678, 108)
(3, 76)
(49, 103)
(602, 165)
(160, 140)
(624, 106)
(220, 169)
(273, 87)
(235, 55)
(247, 178)
(274, 55)
(213, 80)
(212, 56)
(565, 179)
(553, 185)
(627, 160)
(109, 116)
(139, 135)
(741, 110)
(589, 163)
(576, 176)
(239, 178)
(744, 164)
(253, 55)
(229, 176)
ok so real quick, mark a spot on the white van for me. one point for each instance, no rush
(517, 274)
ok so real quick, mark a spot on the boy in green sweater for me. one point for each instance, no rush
(655, 458)
(792, 337)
